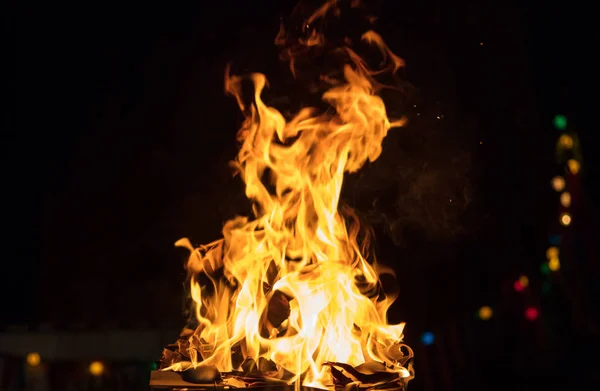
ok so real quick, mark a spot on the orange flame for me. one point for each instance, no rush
(300, 248)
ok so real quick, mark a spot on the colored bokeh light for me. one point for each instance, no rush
(552, 252)
(554, 264)
(531, 313)
(33, 359)
(546, 287)
(544, 268)
(554, 240)
(427, 338)
(565, 199)
(518, 286)
(524, 281)
(558, 183)
(560, 122)
(565, 141)
(565, 219)
(574, 166)
(96, 368)
(485, 312)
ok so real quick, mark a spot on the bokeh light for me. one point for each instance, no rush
(565, 219)
(565, 199)
(96, 368)
(546, 287)
(558, 183)
(565, 141)
(524, 281)
(33, 359)
(554, 264)
(560, 122)
(518, 286)
(427, 338)
(544, 268)
(554, 240)
(485, 312)
(574, 166)
(552, 252)
(531, 313)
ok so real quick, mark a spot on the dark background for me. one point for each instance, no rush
(117, 134)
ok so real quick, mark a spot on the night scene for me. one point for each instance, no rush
(300, 195)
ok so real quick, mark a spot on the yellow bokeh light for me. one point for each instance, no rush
(554, 264)
(565, 141)
(565, 219)
(574, 166)
(558, 183)
(565, 199)
(485, 312)
(33, 359)
(96, 368)
(524, 281)
(552, 252)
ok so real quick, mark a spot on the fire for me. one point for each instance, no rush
(292, 283)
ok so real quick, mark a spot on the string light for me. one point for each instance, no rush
(531, 313)
(565, 219)
(565, 141)
(574, 166)
(558, 183)
(427, 338)
(565, 199)
(96, 368)
(33, 359)
(485, 312)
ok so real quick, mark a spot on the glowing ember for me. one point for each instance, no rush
(290, 290)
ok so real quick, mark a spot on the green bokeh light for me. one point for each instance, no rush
(546, 287)
(544, 268)
(560, 122)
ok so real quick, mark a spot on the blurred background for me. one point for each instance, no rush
(115, 143)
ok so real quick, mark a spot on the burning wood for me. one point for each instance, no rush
(288, 296)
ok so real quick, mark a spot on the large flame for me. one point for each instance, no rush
(300, 254)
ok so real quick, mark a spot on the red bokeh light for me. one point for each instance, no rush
(531, 313)
(518, 286)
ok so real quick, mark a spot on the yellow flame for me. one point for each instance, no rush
(300, 246)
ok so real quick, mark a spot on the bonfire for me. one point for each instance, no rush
(291, 295)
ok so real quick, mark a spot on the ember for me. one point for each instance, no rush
(288, 295)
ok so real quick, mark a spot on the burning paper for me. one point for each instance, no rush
(289, 295)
